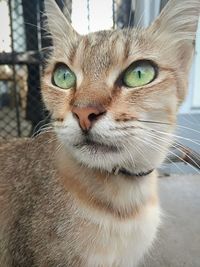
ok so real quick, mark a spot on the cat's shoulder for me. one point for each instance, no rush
(26, 145)
(27, 155)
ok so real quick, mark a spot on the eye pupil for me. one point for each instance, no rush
(139, 74)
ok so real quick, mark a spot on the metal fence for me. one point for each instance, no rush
(21, 107)
(21, 61)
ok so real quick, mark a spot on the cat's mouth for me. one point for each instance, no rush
(95, 146)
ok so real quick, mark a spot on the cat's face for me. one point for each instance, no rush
(114, 95)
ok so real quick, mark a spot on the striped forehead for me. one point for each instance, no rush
(98, 52)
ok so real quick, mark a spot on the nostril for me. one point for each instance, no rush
(94, 117)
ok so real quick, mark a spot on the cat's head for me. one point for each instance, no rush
(114, 95)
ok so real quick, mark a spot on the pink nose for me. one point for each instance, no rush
(86, 116)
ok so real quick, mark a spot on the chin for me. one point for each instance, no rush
(106, 158)
(98, 159)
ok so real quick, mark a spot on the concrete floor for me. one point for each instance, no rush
(178, 242)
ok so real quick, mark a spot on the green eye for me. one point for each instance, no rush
(63, 77)
(139, 73)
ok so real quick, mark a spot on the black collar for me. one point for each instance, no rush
(125, 172)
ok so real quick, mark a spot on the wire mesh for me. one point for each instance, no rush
(21, 107)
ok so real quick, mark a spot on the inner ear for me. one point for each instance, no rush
(185, 54)
(58, 25)
(176, 29)
(179, 18)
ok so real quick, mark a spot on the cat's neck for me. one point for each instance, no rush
(113, 194)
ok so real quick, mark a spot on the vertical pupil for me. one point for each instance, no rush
(139, 74)
(64, 75)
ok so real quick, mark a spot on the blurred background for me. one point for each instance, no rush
(23, 48)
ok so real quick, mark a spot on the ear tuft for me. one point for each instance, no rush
(58, 25)
(175, 30)
(179, 18)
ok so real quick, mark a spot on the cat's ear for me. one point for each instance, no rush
(58, 25)
(177, 24)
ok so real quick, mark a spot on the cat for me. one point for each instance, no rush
(84, 193)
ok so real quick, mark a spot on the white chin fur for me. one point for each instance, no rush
(133, 155)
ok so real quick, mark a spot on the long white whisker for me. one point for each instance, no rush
(177, 156)
(177, 125)
(151, 132)
(187, 128)
(173, 135)
(156, 147)
(43, 131)
(132, 160)
(169, 143)
(35, 26)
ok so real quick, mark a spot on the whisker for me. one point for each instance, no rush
(137, 26)
(187, 128)
(129, 20)
(130, 15)
(59, 147)
(67, 9)
(142, 154)
(156, 122)
(46, 130)
(151, 133)
(42, 123)
(35, 26)
(172, 145)
(169, 134)
(177, 156)
(166, 123)
(175, 136)
(127, 150)
(155, 147)
(42, 130)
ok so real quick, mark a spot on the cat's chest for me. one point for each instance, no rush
(109, 242)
